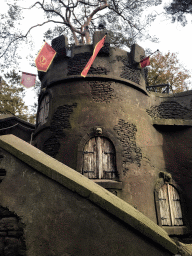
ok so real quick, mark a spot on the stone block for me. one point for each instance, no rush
(3, 234)
(137, 53)
(8, 224)
(60, 44)
(2, 239)
(97, 36)
(11, 246)
(4, 212)
(17, 233)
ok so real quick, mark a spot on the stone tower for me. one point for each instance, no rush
(103, 125)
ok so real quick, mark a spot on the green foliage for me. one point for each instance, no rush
(11, 97)
(166, 69)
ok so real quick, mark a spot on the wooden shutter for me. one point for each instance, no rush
(175, 206)
(108, 159)
(46, 108)
(170, 207)
(43, 110)
(89, 159)
(164, 206)
(99, 159)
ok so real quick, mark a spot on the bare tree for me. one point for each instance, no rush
(76, 18)
(179, 9)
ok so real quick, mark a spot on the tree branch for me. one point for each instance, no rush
(47, 10)
(24, 36)
(87, 22)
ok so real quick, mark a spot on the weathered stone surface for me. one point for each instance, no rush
(170, 110)
(60, 119)
(11, 246)
(51, 146)
(59, 44)
(137, 53)
(8, 224)
(126, 133)
(49, 200)
(79, 61)
(2, 240)
(17, 233)
(97, 36)
(101, 91)
(11, 234)
(10, 124)
(5, 212)
(129, 71)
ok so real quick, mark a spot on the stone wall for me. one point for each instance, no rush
(13, 125)
(12, 241)
(170, 110)
(101, 91)
(131, 152)
(64, 213)
(79, 61)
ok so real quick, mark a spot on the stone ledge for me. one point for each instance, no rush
(176, 122)
(78, 183)
(176, 230)
(108, 183)
(101, 77)
(187, 248)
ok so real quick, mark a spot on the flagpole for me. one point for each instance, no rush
(154, 52)
(27, 73)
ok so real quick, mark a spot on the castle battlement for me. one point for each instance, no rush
(110, 64)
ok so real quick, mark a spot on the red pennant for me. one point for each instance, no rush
(98, 47)
(145, 62)
(45, 57)
(28, 80)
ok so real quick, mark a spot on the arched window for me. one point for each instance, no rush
(170, 206)
(43, 111)
(99, 159)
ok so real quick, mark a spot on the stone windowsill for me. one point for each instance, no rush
(108, 183)
(176, 230)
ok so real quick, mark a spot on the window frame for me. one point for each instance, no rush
(44, 105)
(109, 134)
(165, 179)
(97, 155)
(169, 209)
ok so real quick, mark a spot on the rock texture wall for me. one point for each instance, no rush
(131, 153)
(170, 110)
(60, 213)
(10, 124)
(12, 241)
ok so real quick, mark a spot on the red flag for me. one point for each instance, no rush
(98, 47)
(28, 80)
(45, 57)
(145, 62)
